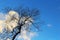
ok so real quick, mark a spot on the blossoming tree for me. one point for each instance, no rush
(20, 21)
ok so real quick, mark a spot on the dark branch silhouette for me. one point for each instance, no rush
(23, 12)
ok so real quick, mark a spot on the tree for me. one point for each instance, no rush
(20, 21)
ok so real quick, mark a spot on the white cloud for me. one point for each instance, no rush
(26, 36)
(49, 25)
(2, 16)
(8, 39)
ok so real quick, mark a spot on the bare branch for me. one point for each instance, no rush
(25, 17)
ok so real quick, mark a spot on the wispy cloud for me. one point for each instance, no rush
(49, 25)
(2, 16)
(26, 36)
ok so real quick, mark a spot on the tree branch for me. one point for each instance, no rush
(19, 28)
(15, 35)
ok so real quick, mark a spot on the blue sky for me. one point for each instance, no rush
(50, 13)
